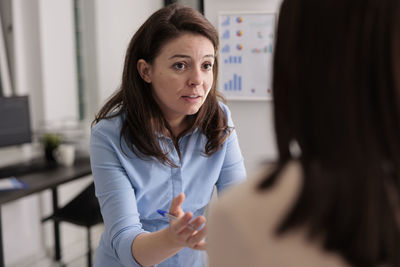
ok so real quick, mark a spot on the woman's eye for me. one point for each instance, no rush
(207, 66)
(179, 66)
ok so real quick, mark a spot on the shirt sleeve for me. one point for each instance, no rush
(116, 197)
(233, 170)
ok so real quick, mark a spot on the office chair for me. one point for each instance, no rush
(83, 210)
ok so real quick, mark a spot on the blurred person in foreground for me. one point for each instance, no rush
(333, 197)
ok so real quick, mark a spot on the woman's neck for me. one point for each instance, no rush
(178, 125)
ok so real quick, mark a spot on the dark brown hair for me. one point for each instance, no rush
(143, 119)
(337, 94)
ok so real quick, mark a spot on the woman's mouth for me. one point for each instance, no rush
(191, 98)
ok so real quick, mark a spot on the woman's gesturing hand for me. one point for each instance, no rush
(185, 231)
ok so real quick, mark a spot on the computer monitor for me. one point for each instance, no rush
(15, 124)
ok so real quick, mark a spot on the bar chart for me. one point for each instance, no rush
(234, 84)
(233, 60)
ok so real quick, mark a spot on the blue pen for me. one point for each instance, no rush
(172, 217)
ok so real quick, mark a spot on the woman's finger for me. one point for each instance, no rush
(198, 222)
(196, 241)
(182, 224)
(175, 208)
(202, 245)
(191, 228)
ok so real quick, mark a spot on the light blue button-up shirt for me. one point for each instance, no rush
(130, 189)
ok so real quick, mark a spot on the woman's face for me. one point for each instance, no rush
(181, 75)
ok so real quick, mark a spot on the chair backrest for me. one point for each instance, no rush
(84, 209)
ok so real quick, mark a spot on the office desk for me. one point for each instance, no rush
(47, 179)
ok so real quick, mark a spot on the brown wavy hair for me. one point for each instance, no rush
(143, 119)
(337, 94)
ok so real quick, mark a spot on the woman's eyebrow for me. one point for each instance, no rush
(179, 56)
(186, 56)
(212, 56)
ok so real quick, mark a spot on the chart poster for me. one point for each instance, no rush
(245, 56)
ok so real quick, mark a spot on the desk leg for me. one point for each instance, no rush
(1, 244)
(56, 226)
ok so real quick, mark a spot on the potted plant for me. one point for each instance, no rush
(50, 142)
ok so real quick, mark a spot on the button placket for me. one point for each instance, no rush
(176, 175)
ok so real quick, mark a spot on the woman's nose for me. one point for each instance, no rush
(195, 78)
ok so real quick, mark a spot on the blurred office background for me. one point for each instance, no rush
(67, 55)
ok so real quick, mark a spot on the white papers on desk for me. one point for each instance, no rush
(11, 183)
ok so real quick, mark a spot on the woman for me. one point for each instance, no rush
(333, 199)
(161, 139)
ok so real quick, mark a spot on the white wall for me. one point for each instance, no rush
(45, 58)
(253, 119)
(116, 22)
(107, 27)
(58, 57)
(27, 58)
(6, 48)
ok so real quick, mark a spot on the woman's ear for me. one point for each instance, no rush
(144, 70)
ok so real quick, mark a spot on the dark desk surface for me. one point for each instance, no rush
(48, 179)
